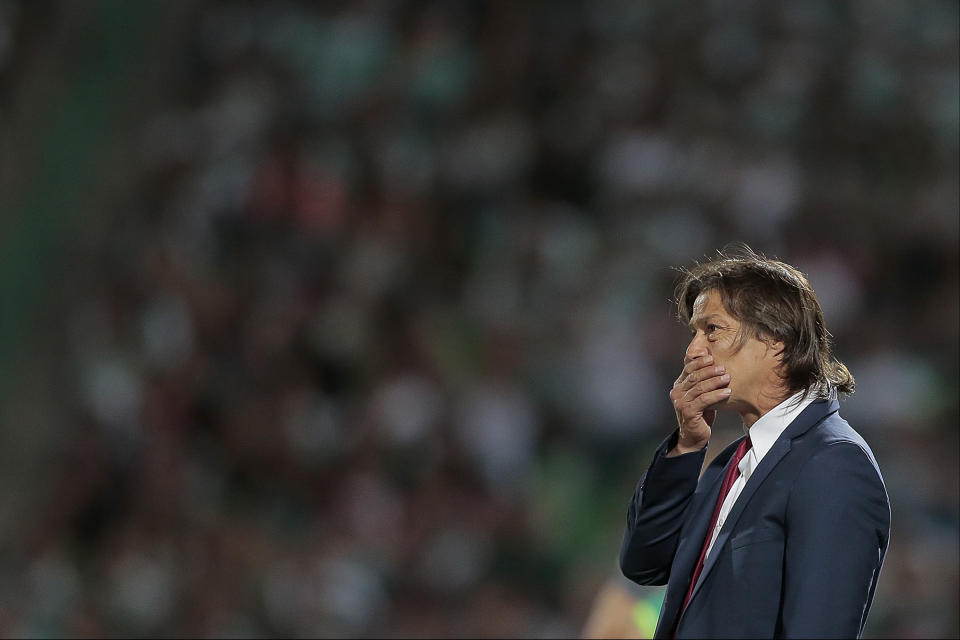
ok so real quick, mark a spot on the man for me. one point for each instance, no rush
(785, 533)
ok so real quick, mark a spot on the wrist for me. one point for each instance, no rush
(684, 446)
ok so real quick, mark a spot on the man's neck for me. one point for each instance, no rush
(763, 403)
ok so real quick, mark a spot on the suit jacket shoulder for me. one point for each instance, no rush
(831, 431)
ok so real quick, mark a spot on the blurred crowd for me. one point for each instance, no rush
(381, 341)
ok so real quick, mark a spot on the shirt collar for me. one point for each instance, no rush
(768, 428)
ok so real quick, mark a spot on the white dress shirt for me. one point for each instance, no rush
(763, 434)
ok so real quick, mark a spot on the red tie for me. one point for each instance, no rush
(733, 472)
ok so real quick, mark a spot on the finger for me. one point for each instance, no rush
(697, 363)
(706, 385)
(688, 404)
(702, 374)
(707, 400)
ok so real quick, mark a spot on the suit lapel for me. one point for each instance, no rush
(773, 457)
(810, 416)
(695, 530)
(692, 541)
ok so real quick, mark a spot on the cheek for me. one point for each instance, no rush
(730, 363)
(721, 353)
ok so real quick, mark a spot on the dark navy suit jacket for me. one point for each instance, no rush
(798, 556)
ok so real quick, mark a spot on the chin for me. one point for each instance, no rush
(731, 404)
(721, 406)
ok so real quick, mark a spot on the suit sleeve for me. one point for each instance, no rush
(838, 524)
(656, 514)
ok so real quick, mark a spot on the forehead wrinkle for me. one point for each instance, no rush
(702, 302)
(710, 303)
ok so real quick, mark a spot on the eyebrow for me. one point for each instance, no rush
(695, 321)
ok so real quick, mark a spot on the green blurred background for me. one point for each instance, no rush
(353, 319)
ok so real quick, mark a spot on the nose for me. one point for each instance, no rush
(696, 348)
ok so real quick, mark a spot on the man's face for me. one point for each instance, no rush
(751, 363)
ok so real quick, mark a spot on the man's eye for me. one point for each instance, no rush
(711, 328)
